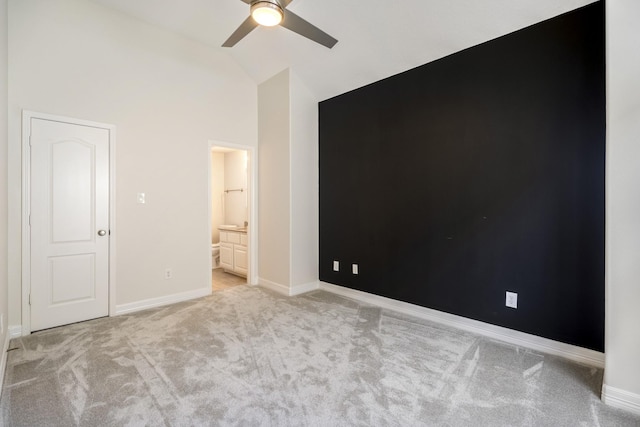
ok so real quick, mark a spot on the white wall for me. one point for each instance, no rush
(167, 95)
(622, 345)
(274, 180)
(288, 143)
(217, 189)
(3, 173)
(235, 178)
(304, 183)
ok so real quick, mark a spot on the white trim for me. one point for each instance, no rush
(26, 230)
(545, 345)
(15, 331)
(303, 288)
(26, 197)
(113, 235)
(621, 399)
(276, 287)
(252, 230)
(289, 291)
(132, 307)
(3, 359)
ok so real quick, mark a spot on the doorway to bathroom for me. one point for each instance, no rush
(231, 198)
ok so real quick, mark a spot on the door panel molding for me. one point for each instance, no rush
(27, 117)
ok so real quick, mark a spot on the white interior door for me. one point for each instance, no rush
(69, 217)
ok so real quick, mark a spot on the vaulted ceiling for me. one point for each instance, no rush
(377, 38)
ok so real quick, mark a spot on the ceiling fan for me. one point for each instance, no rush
(275, 12)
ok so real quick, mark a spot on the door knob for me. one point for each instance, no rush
(101, 232)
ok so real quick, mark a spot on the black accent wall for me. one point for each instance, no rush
(472, 175)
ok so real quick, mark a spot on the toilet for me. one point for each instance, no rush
(215, 255)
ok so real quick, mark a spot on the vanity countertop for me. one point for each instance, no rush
(233, 228)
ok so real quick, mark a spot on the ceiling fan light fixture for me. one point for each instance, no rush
(267, 13)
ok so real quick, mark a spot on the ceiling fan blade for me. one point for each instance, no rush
(283, 3)
(245, 28)
(298, 25)
(246, 1)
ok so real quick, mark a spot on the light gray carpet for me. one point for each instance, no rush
(246, 356)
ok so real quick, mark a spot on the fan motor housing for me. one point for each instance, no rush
(267, 12)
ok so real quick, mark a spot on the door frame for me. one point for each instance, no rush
(26, 208)
(252, 183)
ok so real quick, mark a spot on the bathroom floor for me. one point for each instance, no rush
(221, 280)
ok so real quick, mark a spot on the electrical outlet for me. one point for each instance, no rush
(354, 268)
(168, 274)
(336, 265)
(511, 300)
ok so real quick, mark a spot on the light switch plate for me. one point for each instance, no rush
(141, 198)
(336, 265)
(354, 268)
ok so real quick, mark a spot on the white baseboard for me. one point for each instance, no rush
(3, 359)
(621, 399)
(15, 331)
(303, 288)
(160, 301)
(276, 287)
(545, 345)
(286, 290)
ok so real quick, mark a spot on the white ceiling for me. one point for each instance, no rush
(377, 38)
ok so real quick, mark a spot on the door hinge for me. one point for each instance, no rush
(29, 220)
(29, 299)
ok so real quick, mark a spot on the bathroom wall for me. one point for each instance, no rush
(217, 194)
(235, 178)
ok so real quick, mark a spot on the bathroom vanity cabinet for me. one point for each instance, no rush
(233, 252)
